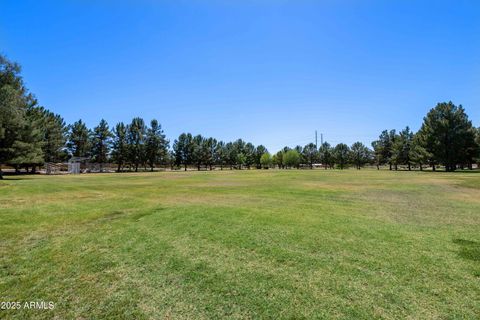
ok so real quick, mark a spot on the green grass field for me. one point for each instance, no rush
(242, 244)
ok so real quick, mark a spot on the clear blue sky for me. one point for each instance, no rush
(269, 72)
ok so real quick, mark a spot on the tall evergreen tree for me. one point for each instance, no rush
(377, 153)
(310, 154)
(230, 154)
(260, 150)
(101, 143)
(250, 155)
(27, 149)
(448, 134)
(402, 147)
(221, 154)
(383, 148)
(326, 155)
(418, 153)
(19, 135)
(477, 141)
(211, 148)
(183, 150)
(54, 133)
(199, 150)
(120, 145)
(136, 142)
(156, 145)
(79, 144)
(341, 152)
(360, 154)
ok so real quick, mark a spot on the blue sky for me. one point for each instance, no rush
(270, 72)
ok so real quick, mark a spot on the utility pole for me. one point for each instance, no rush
(316, 144)
(321, 138)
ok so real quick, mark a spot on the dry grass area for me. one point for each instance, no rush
(242, 244)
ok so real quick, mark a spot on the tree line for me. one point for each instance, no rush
(31, 135)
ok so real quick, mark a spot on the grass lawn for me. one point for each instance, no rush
(242, 244)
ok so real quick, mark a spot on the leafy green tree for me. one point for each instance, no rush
(360, 154)
(120, 145)
(101, 143)
(266, 160)
(326, 155)
(239, 156)
(341, 154)
(136, 142)
(448, 135)
(156, 145)
(278, 159)
(183, 150)
(259, 151)
(78, 143)
(241, 160)
(291, 158)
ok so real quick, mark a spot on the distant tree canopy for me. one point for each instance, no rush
(291, 159)
(447, 137)
(31, 135)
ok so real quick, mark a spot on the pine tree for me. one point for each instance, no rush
(156, 145)
(14, 100)
(341, 153)
(250, 155)
(101, 143)
(260, 150)
(220, 154)
(326, 155)
(120, 145)
(27, 149)
(79, 144)
(211, 149)
(383, 148)
(418, 153)
(136, 142)
(360, 154)
(402, 146)
(183, 150)
(54, 135)
(448, 135)
(310, 154)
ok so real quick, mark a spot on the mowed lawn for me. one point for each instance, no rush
(242, 244)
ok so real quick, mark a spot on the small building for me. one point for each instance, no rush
(74, 164)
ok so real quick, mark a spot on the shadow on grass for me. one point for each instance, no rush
(10, 178)
(469, 250)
